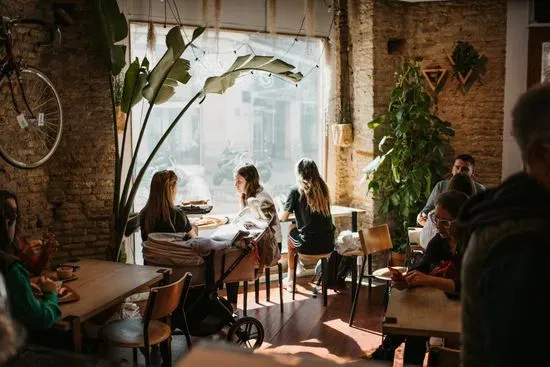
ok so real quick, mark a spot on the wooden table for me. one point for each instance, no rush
(101, 285)
(423, 311)
(335, 210)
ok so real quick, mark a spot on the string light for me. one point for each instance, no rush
(175, 13)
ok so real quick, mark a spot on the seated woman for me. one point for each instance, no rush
(438, 268)
(34, 254)
(252, 194)
(313, 233)
(459, 182)
(32, 312)
(159, 213)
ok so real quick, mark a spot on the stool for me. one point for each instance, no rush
(324, 271)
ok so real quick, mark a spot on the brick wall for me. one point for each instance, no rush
(72, 193)
(430, 31)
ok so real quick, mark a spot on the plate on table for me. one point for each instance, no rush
(208, 221)
(384, 273)
(64, 295)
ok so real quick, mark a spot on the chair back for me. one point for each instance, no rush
(443, 357)
(164, 300)
(375, 239)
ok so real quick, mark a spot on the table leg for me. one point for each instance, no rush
(77, 334)
(354, 221)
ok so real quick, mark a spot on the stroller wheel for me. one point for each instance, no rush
(247, 332)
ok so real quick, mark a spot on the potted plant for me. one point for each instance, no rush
(342, 134)
(468, 65)
(410, 153)
(157, 86)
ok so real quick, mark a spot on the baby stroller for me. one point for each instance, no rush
(205, 311)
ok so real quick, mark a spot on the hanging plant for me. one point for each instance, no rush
(271, 16)
(309, 13)
(468, 65)
(205, 15)
(217, 18)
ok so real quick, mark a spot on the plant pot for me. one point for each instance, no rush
(397, 259)
(342, 135)
(120, 119)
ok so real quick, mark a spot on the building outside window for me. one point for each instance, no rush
(262, 119)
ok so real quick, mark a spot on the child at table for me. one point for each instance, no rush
(438, 268)
(160, 213)
(33, 313)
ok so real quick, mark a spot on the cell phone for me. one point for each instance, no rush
(396, 274)
(390, 320)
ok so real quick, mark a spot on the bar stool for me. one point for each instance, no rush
(324, 271)
(268, 284)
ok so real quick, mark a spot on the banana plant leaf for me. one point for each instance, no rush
(135, 80)
(171, 69)
(113, 28)
(219, 84)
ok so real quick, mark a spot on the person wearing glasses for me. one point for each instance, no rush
(439, 268)
(460, 182)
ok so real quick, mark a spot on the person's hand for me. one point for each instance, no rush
(422, 219)
(47, 285)
(416, 278)
(32, 247)
(35, 288)
(400, 284)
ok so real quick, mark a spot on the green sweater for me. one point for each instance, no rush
(32, 312)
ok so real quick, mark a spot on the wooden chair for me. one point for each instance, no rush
(324, 271)
(443, 357)
(155, 327)
(374, 240)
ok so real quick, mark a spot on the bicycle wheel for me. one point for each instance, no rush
(31, 119)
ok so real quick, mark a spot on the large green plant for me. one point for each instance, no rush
(157, 86)
(410, 152)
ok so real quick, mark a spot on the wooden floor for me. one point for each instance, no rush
(308, 329)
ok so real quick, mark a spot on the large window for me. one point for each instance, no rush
(262, 119)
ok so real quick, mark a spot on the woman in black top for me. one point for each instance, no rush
(160, 214)
(438, 268)
(310, 202)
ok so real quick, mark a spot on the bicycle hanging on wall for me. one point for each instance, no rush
(31, 117)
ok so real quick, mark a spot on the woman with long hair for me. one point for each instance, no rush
(310, 202)
(247, 183)
(252, 195)
(36, 255)
(34, 313)
(160, 213)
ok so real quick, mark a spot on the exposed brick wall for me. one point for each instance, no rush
(431, 31)
(72, 193)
